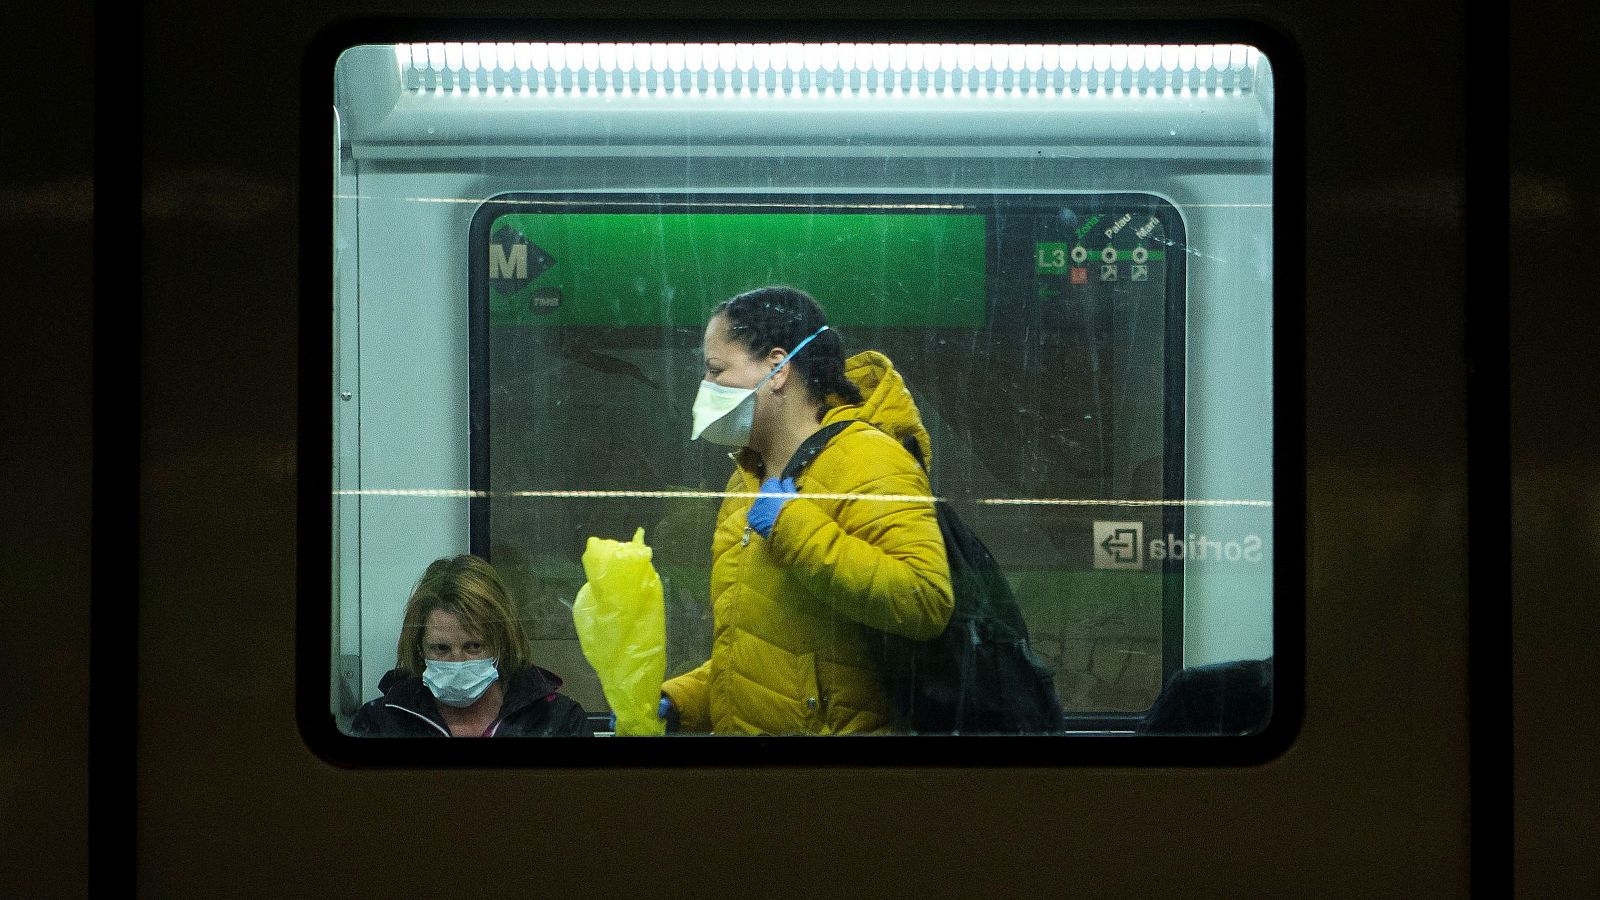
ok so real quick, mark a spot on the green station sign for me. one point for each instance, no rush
(648, 269)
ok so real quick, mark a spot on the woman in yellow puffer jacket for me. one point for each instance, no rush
(798, 567)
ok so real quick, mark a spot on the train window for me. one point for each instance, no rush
(579, 292)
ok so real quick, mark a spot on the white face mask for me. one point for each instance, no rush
(459, 684)
(723, 415)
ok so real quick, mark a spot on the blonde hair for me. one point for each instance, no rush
(468, 588)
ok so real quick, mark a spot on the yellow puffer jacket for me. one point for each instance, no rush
(788, 655)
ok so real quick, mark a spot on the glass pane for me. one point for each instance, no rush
(1064, 253)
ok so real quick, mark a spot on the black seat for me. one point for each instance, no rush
(1223, 698)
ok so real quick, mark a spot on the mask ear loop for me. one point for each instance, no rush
(797, 348)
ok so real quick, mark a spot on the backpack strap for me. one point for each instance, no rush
(811, 447)
(910, 443)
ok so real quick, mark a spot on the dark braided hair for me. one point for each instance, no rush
(782, 317)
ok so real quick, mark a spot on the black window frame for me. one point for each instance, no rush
(314, 668)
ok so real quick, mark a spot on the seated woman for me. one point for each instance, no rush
(463, 666)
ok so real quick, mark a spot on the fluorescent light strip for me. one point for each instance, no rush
(723, 70)
(721, 495)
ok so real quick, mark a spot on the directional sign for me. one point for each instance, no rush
(1118, 545)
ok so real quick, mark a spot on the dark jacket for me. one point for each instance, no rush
(531, 708)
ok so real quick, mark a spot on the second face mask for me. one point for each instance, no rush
(459, 684)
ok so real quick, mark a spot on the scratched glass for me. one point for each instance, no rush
(1066, 252)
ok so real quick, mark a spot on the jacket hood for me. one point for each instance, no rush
(886, 402)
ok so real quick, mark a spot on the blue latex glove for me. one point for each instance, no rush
(666, 710)
(764, 512)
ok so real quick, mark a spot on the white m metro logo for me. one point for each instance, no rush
(508, 265)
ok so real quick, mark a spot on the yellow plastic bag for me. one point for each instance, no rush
(622, 628)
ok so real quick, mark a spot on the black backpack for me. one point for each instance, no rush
(978, 675)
